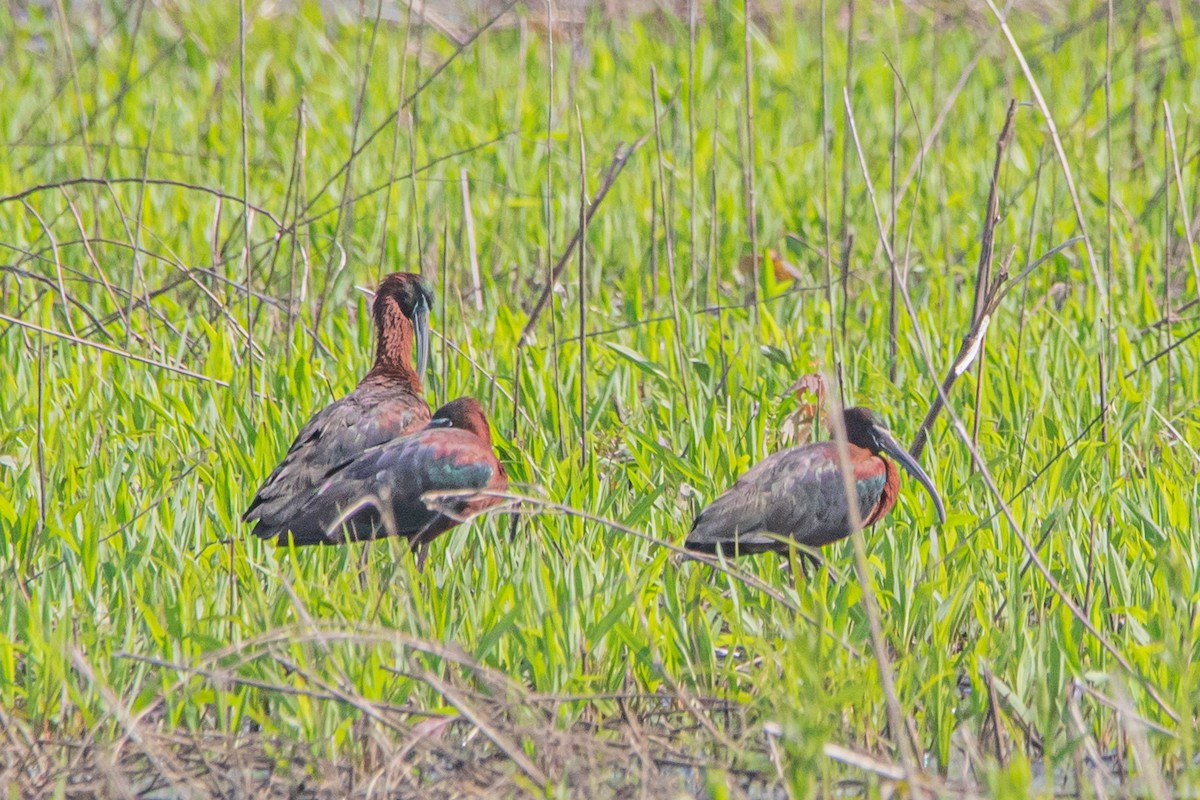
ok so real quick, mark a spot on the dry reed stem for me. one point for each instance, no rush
(619, 160)
(472, 247)
(583, 343)
(1169, 132)
(113, 350)
(507, 746)
(668, 236)
(898, 722)
(988, 294)
(748, 165)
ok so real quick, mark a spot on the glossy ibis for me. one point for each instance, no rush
(388, 402)
(797, 495)
(379, 492)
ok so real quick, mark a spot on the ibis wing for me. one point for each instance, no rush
(795, 494)
(379, 492)
(335, 435)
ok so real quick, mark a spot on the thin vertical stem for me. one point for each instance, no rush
(1106, 349)
(291, 201)
(892, 230)
(138, 278)
(84, 123)
(1167, 261)
(1183, 148)
(550, 219)
(892, 309)
(415, 244)
(41, 431)
(345, 209)
(667, 237)
(834, 345)
(445, 321)
(522, 55)
(1173, 164)
(583, 342)
(396, 128)
(516, 425)
(653, 245)
(844, 282)
(413, 122)
(247, 264)
(751, 210)
(844, 235)
(691, 122)
(469, 225)
(1160, 78)
(246, 268)
(301, 157)
(843, 229)
(709, 283)
(514, 147)
(1030, 242)
(1135, 158)
(710, 287)
(979, 378)
(711, 291)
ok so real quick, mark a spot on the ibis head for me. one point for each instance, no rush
(867, 429)
(401, 309)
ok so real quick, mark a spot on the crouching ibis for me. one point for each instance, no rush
(383, 491)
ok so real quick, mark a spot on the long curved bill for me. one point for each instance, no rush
(893, 449)
(421, 332)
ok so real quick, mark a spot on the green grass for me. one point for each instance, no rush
(137, 614)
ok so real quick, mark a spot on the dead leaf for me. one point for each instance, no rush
(1058, 295)
(770, 258)
(809, 389)
(784, 270)
(811, 384)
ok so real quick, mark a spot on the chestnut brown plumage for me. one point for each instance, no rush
(388, 402)
(797, 495)
(379, 492)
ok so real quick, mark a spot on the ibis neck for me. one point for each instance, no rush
(887, 498)
(393, 350)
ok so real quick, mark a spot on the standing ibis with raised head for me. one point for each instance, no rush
(388, 402)
(798, 495)
(383, 490)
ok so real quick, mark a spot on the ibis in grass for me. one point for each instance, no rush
(797, 496)
(416, 486)
(388, 402)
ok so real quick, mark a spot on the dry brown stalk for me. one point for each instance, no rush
(619, 160)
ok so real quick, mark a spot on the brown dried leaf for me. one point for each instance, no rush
(784, 270)
(809, 389)
(795, 429)
(770, 259)
(813, 384)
